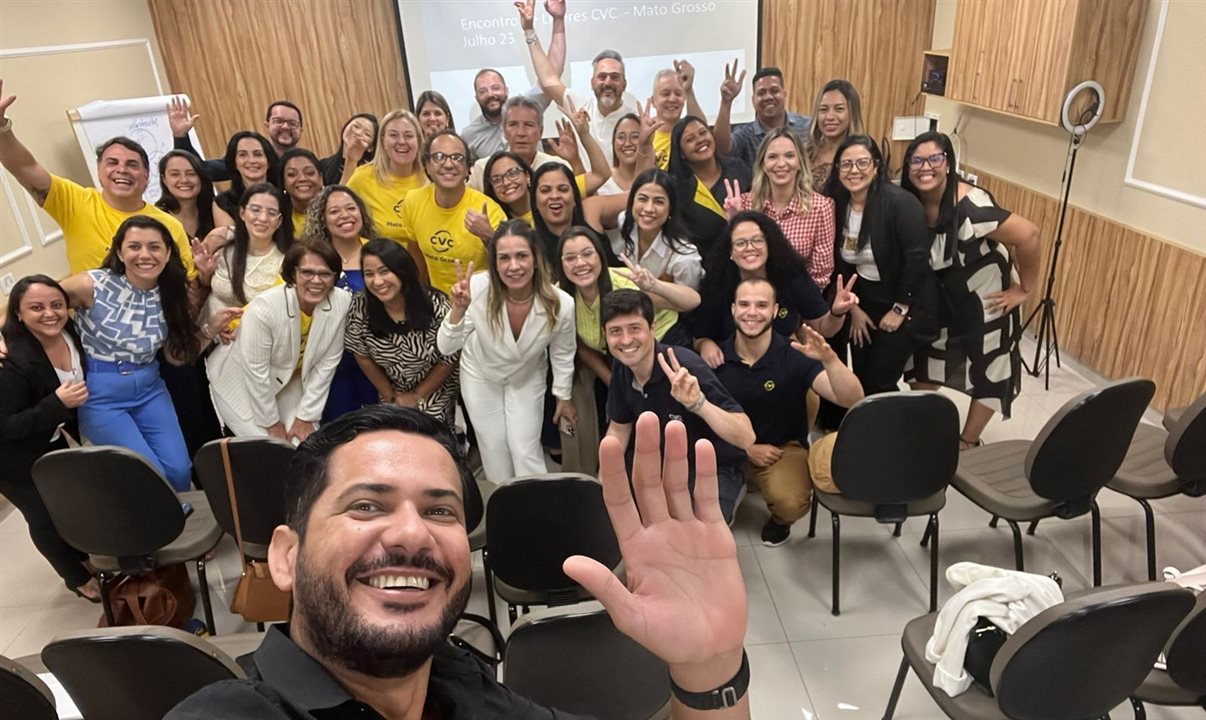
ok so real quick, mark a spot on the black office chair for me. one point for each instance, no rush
(134, 673)
(109, 502)
(23, 694)
(1183, 683)
(1078, 659)
(532, 524)
(1162, 463)
(894, 455)
(1058, 474)
(258, 468)
(581, 663)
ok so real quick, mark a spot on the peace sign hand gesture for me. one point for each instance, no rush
(527, 14)
(650, 123)
(639, 275)
(460, 290)
(684, 387)
(843, 299)
(577, 116)
(814, 346)
(732, 197)
(731, 87)
(566, 146)
(204, 260)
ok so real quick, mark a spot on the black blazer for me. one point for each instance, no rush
(900, 240)
(29, 409)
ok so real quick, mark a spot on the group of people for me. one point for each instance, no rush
(649, 261)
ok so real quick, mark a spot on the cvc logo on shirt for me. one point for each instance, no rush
(782, 313)
(769, 385)
(398, 207)
(441, 241)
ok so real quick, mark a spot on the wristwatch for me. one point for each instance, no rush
(725, 696)
(898, 310)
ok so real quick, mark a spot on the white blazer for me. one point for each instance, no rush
(248, 373)
(497, 358)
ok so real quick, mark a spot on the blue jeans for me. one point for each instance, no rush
(133, 410)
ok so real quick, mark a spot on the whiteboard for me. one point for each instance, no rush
(143, 120)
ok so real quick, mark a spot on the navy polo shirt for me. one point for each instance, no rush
(799, 300)
(625, 403)
(772, 389)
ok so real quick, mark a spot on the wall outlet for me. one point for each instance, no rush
(6, 283)
(907, 127)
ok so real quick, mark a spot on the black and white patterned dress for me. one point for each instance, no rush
(975, 352)
(407, 355)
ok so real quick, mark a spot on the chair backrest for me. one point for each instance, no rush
(1185, 449)
(1082, 446)
(107, 500)
(582, 664)
(258, 467)
(24, 694)
(533, 523)
(1186, 651)
(1083, 657)
(134, 673)
(896, 447)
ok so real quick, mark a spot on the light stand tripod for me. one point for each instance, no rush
(1047, 338)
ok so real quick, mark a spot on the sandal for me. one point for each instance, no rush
(965, 444)
(94, 600)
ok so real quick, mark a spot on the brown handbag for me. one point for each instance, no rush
(163, 596)
(256, 598)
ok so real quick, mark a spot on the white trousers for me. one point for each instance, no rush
(287, 402)
(507, 420)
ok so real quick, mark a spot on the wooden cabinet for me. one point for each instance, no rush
(1022, 57)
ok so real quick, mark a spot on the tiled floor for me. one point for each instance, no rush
(806, 662)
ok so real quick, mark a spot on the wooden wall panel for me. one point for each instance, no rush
(333, 58)
(875, 44)
(1126, 303)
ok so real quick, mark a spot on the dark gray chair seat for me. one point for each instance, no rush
(993, 476)
(915, 436)
(200, 535)
(1171, 415)
(582, 664)
(1078, 659)
(109, 502)
(1059, 474)
(135, 673)
(23, 694)
(843, 505)
(1144, 474)
(1160, 689)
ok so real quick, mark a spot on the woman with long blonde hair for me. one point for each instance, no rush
(396, 169)
(505, 322)
(837, 114)
(782, 189)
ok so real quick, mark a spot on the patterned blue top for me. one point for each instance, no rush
(124, 323)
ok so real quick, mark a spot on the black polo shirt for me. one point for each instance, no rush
(799, 300)
(625, 403)
(772, 389)
(285, 683)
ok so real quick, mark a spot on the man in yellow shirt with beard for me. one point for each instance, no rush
(436, 218)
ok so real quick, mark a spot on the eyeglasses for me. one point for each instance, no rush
(308, 274)
(572, 259)
(257, 210)
(754, 242)
(281, 122)
(863, 163)
(935, 161)
(440, 158)
(502, 177)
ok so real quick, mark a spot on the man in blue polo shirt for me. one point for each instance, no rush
(770, 375)
(675, 384)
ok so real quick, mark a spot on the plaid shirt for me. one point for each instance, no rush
(810, 235)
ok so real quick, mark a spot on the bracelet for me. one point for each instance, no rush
(7, 125)
(695, 406)
(725, 696)
(530, 37)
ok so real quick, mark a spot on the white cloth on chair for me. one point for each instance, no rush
(1008, 598)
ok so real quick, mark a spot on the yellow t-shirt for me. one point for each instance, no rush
(661, 149)
(305, 321)
(440, 233)
(89, 224)
(299, 224)
(384, 200)
(586, 317)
